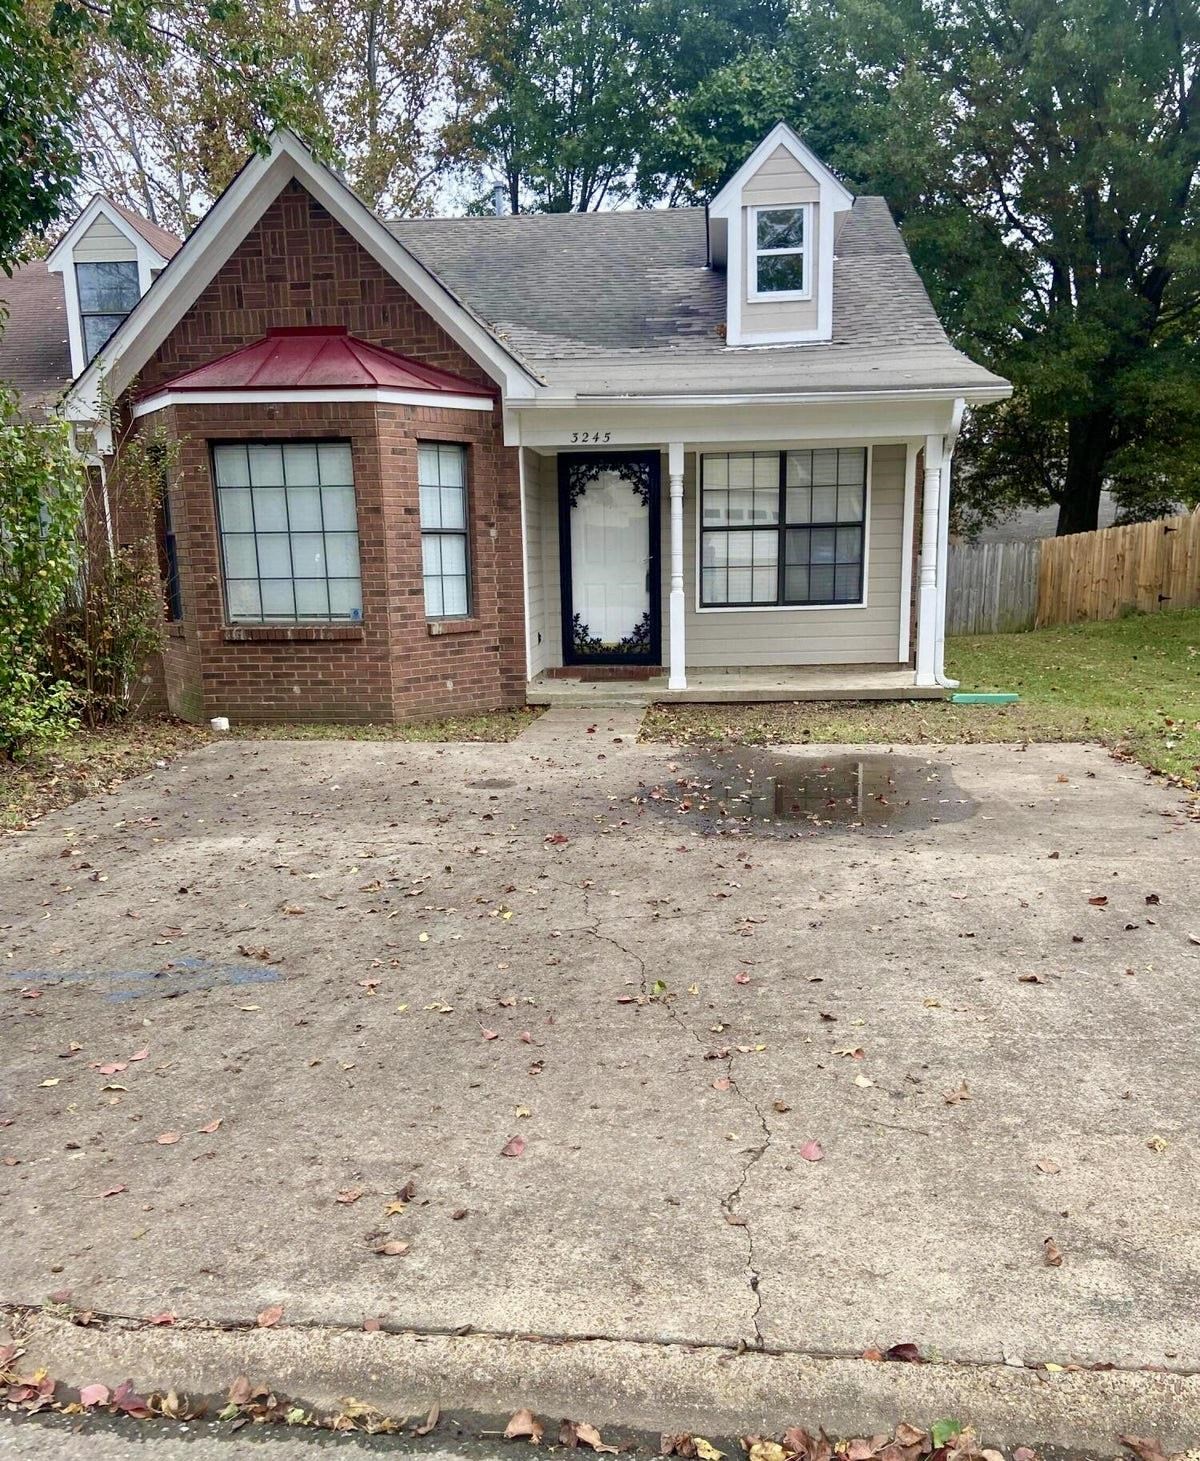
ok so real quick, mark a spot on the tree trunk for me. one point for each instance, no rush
(1089, 441)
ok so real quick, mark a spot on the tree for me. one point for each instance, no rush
(54, 54)
(369, 92)
(1043, 158)
(581, 104)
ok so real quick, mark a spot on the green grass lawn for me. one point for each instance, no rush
(1131, 684)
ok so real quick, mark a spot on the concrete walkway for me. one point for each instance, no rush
(253, 997)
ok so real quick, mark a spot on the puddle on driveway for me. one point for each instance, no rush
(180, 976)
(751, 790)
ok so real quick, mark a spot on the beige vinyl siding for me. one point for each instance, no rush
(729, 638)
(780, 182)
(543, 480)
(103, 243)
(781, 179)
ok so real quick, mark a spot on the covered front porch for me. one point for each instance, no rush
(735, 686)
(743, 564)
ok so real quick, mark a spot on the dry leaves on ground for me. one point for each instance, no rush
(524, 1424)
(270, 1316)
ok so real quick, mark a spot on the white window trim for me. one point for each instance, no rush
(860, 603)
(464, 532)
(753, 253)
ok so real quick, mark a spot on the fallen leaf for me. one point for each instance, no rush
(90, 1395)
(767, 1451)
(1030, 979)
(1152, 900)
(112, 1191)
(781, 1106)
(905, 1352)
(514, 1147)
(50, 1081)
(722, 1083)
(1052, 1253)
(1047, 1164)
(270, 1316)
(162, 1319)
(812, 1151)
(863, 1080)
(126, 1399)
(737, 979)
(350, 1194)
(491, 1034)
(168, 1138)
(1144, 1447)
(393, 1248)
(706, 1450)
(590, 1436)
(952, 1098)
(1099, 900)
(371, 1326)
(1157, 1144)
(429, 1423)
(139, 1055)
(523, 1423)
(212, 1126)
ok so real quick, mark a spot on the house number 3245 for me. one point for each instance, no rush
(581, 437)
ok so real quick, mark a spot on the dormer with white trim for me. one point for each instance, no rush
(106, 266)
(772, 228)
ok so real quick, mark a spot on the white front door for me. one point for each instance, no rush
(610, 553)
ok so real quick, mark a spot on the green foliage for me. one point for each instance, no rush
(41, 491)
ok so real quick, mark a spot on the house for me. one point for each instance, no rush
(425, 466)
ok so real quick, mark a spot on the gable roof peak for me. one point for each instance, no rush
(785, 136)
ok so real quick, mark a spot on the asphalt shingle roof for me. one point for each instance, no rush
(35, 355)
(624, 302)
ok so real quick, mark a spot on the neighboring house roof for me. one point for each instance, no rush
(158, 238)
(303, 358)
(35, 352)
(610, 304)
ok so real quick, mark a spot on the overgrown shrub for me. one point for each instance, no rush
(41, 498)
(111, 620)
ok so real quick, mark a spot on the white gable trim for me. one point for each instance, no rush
(220, 232)
(385, 395)
(61, 260)
(728, 199)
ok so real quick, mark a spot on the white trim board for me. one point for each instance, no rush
(383, 395)
(220, 232)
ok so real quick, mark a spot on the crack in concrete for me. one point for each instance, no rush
(754, 1154)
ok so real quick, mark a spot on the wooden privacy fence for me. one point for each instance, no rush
(1145, 566)
(991, 588)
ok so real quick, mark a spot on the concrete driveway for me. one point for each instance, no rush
(610, 1063)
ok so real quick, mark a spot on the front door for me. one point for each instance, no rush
(608, 550)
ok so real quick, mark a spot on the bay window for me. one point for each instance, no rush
(289, 532)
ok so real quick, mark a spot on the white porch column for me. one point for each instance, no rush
(677, 673)
(927, 593)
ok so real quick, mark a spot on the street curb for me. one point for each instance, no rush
(644, 1387)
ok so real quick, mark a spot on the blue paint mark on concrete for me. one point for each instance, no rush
(183, 975)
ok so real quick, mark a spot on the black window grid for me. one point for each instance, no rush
(329, 617)
(783, 527)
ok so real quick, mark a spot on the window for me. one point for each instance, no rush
(442, 475)
(107, 292)
(783, 527)
(174, 594)
(780, 252)
(289, 533)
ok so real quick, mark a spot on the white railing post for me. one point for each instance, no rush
(927, 593)
(677, 671)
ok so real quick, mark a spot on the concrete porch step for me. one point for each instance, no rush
(708, 687)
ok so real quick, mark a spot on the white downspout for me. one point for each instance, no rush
(944, 545)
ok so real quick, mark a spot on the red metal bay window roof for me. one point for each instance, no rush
(314, 358)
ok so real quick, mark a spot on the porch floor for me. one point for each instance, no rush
(744, 686)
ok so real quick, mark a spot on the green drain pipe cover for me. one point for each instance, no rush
(1002, 697)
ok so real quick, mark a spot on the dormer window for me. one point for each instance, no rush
(771, 230)
(107, 293)
(780, 246)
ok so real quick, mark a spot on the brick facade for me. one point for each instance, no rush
(299, 267)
